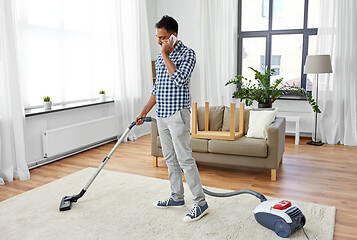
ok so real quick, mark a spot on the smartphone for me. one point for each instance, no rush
(173, 39)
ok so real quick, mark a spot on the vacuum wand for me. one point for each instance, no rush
(67, 201)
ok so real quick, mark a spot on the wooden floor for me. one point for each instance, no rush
(325, 175)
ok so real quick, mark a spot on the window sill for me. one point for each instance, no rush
(292, 97)
(65, 106)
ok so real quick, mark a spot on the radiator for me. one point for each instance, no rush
(69, 138)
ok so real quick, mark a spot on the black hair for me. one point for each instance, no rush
(168, 23)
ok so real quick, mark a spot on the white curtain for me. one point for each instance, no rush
(12, 148)
(65, 50)
(337, 36)
(218, 55)
(131, 62)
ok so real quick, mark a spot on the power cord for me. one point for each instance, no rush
(305, 234)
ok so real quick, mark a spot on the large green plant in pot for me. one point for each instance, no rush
(265, 93)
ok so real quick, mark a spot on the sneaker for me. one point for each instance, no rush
(170, 202)
(196, 213)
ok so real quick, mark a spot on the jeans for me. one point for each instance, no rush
(174, 134)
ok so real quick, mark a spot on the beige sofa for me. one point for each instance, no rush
(243, 152)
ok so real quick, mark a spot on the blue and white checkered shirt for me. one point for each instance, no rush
(173, 93)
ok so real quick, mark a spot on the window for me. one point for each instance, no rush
(278, 7)
(64, 47)
(277, 34)
(275, 64)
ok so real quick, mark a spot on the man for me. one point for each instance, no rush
(174, 66)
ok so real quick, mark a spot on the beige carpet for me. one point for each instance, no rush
(119, 206)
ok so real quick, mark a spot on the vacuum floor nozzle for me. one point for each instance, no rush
(67, 201)
(65, 204)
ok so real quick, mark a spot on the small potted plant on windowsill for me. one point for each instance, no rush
(265, 93)
(102, 96)
(47, 103)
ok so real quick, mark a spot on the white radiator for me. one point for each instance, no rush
(66, 139)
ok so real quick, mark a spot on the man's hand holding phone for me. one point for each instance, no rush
(168, 46)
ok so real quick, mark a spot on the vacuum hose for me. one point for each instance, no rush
(234, 193)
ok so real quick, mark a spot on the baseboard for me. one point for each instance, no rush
(302, 134)
(48, 160)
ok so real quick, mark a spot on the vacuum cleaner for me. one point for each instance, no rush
(278, 215)
(67, 201)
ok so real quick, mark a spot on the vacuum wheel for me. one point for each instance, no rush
(281, 228)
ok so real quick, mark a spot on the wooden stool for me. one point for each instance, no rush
(220, 135)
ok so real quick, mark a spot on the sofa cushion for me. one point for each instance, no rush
(242, 146)
(215, 118)
(198, 145)
(259, 122)
(227, 119)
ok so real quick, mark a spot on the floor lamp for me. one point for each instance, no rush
(317, 64)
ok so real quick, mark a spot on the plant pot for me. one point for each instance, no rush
(102, 97)
(47, 105)
(265, 105)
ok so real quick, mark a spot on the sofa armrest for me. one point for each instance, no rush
(155, 150)
(276, 141)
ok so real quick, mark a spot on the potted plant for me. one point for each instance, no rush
(265, 93)
(102, 96)
(47, 103)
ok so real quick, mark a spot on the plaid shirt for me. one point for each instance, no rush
(173, 93)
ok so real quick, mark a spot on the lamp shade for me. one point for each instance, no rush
(318, 64)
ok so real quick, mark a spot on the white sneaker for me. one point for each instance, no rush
(170, 202)
(196, 213)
